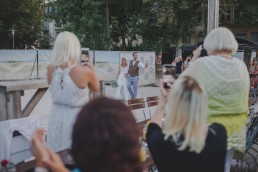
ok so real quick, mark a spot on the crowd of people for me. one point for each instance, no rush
(206, 112)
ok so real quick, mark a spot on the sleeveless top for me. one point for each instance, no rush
(68, 100)
(64, 91)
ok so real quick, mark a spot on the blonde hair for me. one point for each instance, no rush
(122, 61)
(67, 49)
(187, 115)
(220, 39)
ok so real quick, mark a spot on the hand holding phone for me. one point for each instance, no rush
(167, 77)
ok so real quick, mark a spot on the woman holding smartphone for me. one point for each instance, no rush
(69, 85)
(226, 81)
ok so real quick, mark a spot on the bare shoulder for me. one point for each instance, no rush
(79, 75)
(79, 70)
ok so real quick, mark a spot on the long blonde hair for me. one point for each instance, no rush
(122, 62)
(67, 49)
(187, 115)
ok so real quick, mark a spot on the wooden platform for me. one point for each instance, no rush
(10, 97)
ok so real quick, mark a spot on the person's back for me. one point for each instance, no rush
(64, 90)
(185, 142)
(69, 87)
(227, 83)
(167, 157)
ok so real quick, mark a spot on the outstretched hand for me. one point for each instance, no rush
(54, 164)
(164, 92)
(38, 147)
(197, 53)
(44, 156)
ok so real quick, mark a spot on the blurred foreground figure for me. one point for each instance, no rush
(186, 142)
(105, 139)
(226, 81)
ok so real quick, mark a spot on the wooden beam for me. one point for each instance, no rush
(213, 15)
(7, 86)
(33, 102)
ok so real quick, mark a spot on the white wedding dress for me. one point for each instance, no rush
(68, 100)
(122, 91)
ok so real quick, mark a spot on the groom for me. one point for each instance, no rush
(133, 75)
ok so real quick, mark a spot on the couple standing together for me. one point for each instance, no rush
(128, 77)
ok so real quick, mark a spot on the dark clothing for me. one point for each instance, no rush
(133, 69)
(169, 159)
(179, 67)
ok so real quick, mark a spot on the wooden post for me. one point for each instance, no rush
(10, 97)
(213, 15)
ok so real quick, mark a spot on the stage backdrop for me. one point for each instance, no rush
(21, 64)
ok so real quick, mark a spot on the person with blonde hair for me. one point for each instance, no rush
(226, 81)
(185, 142)
(122, 91)
(69, 87)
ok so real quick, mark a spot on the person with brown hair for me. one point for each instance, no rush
(133, 75)
(105, 139)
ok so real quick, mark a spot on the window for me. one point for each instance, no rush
(254, 36)
(242, 35)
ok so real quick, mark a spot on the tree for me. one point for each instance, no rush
(85, 18)
(166, 21)
(25, 17)
(246, 13)
(124, 18)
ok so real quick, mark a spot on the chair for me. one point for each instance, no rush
(151, 102)
(137, 104)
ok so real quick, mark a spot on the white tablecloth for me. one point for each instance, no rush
(25, 126)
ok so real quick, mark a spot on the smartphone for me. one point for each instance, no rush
(203, 53)
(85, 56)
(168, 78)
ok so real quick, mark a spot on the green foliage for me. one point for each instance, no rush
(170, 20)
(246, 13)
(26, 17)
(124, 19)
(85, 18)
(46, 41)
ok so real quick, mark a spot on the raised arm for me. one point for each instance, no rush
(93, 81)
(50, 70)
(85, 76)
(142, 66)
(159, 111)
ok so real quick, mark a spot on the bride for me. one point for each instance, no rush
(121, 91)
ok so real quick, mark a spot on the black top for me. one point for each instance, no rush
(179, 65)
(169, 159)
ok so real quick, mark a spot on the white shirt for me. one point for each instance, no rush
(140, 64)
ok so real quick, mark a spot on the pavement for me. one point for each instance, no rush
(43, 107)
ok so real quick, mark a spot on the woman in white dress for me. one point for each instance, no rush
(69, 86)
(122, 91)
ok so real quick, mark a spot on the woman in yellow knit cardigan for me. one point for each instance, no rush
(227, 83)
